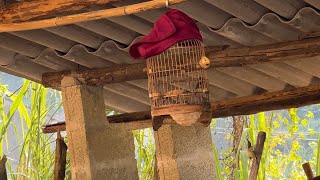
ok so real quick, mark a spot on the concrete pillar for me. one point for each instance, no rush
(184, 153)
(98, 150)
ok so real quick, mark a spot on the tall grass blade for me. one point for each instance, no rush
(318, 158)
(252, 137)
(242, 142)
(216, 162)
(261, 121)
(244, 165)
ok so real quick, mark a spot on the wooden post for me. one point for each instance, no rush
(258, 150)
(238, 124)
(60, 159)
(3, 170)
(98, 149)
(307, 169)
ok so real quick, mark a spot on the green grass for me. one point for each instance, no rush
(145, 150)
(36, 157)
(217, 162)
(318, 158)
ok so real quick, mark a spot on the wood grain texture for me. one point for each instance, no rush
(308, 170)
(97, 76)
(219, 58)
(266, 53)
(258, 150)
(60, 158)
(292, 98)
(3, 170)
(35, 9)
(86, 16)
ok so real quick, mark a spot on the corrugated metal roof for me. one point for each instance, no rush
(104, 43)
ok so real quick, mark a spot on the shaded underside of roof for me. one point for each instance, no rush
(104, 43)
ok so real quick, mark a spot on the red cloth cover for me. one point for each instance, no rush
(170, 28)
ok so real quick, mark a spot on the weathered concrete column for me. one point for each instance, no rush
(184, 153)
(98, 150)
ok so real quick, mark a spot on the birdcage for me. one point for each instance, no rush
(178, 83)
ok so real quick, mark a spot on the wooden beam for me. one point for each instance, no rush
(35, 9)
(284, 99)
(293, 98)
(109, 75)
(87, 16)
(266, 53)
(96, 77)
(220, 57)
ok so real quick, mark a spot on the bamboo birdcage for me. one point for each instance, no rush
(178, 83)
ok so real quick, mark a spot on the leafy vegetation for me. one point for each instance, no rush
(145, 152)
(34, 153)
(291, 141)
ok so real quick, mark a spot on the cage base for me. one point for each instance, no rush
(186, 115)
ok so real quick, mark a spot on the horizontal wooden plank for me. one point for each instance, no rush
(295, 97)
(35, 9)
(220, 57)
(265, 53)
(100, 76)
(86, 16)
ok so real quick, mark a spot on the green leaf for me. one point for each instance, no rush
(295, 145)
(276, 124)
(252, 138)
(16, 102)
(213, 123)
(311, 131)
(318, 158)
(237, 174)
(229, 136)
(302, 136)
(216, 162)
(243, 139)
(293, 128)
(304, 122)
(262, 122)
(244, 165)
(293, 115)
(310, 114)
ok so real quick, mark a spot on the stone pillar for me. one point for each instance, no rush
(184, 153)
(98, 150)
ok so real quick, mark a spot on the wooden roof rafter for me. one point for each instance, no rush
(8, 26)
(219, 56)
(38, 9)
(293, 98)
